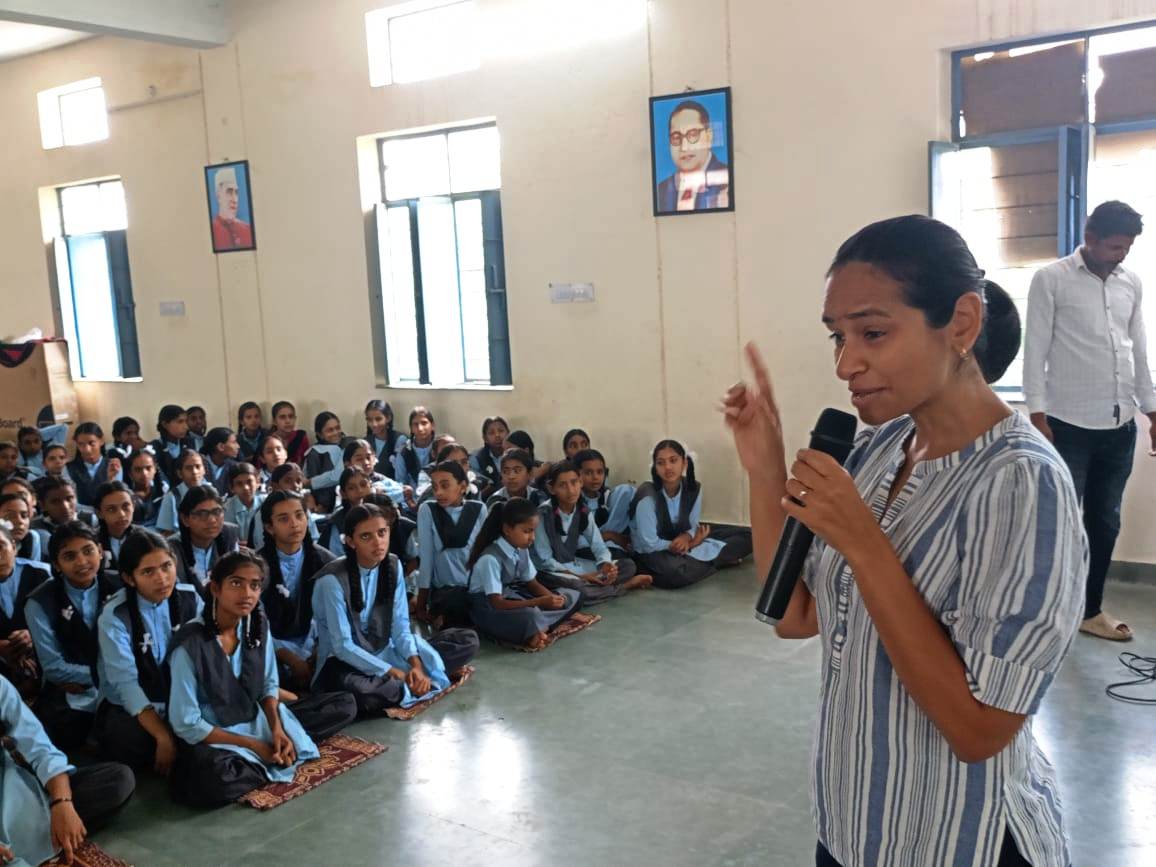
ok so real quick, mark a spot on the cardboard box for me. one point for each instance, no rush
(35, 386)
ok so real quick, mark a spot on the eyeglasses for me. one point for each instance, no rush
(207, 514)
(691, 135)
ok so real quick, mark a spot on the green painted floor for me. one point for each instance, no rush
(675, 732)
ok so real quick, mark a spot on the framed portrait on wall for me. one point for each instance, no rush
(230, 207)
(691, 140)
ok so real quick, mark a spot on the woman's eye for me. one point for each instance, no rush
(873, 335)
(836, 338)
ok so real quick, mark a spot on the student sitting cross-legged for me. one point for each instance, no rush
(223, 702)
(365, 644)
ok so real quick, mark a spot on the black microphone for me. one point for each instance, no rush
(834, 434)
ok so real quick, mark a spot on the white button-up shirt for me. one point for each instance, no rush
(1085, 350)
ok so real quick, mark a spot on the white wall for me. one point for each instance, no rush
(834, 103)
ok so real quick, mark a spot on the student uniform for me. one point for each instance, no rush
(611, 511)
(504, 570)
(87, 478)
(488, 467)
(62, 619)
(534, 495)
(34, 545)
(168, 518)
(217, 475)
(250, 446)
(84, 514)
(236, 512)
(357, 649)
(288, 597)
(135, 639)
(323, 467)
(14, 592)
(657, 519)
(297, 447)
(32, 468)
(386, 450)
(568, 545)
(146, 510)
(98, 790)
(111, 546)
(425, 492)
(444, 540)
(193, 563)
(166, 452)
(256, 537)
(409, 460)
(213, 690)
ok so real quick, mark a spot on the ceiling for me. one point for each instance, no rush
(17, 40)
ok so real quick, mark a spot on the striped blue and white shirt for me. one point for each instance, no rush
(993, 539)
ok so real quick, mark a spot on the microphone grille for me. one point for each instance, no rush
(834, 433)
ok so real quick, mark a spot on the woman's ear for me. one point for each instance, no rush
(967, 322)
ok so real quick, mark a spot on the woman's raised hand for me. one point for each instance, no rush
(753, 418)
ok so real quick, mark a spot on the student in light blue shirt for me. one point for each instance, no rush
(31, 544)
(18, 579)
(323, 462)
(115, 509)
(205, 536)
(224, 700)
(670, 541)
(220, 450)
(173, 438)
(610, 506)
(91, 468)
(48, 806)
(198, 427)
(148, 486)
(62, 614)
(243, 508)
(416, 453)
(379, 432)
(135, 638)
(189, 468)
(365, 644)
(446, 528)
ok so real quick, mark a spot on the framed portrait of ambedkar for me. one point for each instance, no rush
(691, 141)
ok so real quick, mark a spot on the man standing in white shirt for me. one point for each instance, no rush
(1085, 372)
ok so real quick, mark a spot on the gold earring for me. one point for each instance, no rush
(963, 354)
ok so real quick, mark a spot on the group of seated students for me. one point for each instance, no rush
(214, 603)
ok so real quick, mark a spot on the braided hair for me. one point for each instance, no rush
(355, 516)
(254, 624)
(138, 543)
(504, 513)
(678, 449)
(269, 549)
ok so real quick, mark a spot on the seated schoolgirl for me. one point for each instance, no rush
(568, 549)
(57, 498)
(243, 507)
(272, 455)
(126, 435)
(148, 486)
(507, 602)
(519, 439)
(173, 438)
(204, 538)
(62, 614)
(89, 469)
(382, 438)
(50, 806)
(31, 544)
(669, 540)
(287, 477)
(250, 430)
(417, 451)
(447, 526)
(190, 474)
(135, 632)
(220, 450)
(354, 488)
(18, 579)
(486, 461)
(402, 538)
(292, 559)
(285, 426)
(574, 441)
(115, 508)
(359, 455)
(458, 454)
(198, 426)
(10, 462)
(610, 506)
(323, 464)
(235, 735)
(365, 644)
(31, 458)
(56, 462)
(516, 466)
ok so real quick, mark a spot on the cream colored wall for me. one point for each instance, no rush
(834, 103)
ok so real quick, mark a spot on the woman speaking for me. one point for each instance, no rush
(945, 580)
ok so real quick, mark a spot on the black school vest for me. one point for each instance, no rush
(234, 700)
(30, 578)
(564, 547)
(601, 511)
(411, 460)
(110, 559)
(399, 537)
(485, 459)
(78, 643)
(668, 530)
(182, 546)
(153, 676)
(381, 613)
(509, 571)
(290, 617)
(384, 463)
(455, 535)
(85, 484)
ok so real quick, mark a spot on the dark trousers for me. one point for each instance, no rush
(1100, 462)
(456, 647)
(68, 729)
(1009, 855)
(99, 791)
(204, 776)
(452, 605)
(372, 694)
(122, 739)
(324, 714)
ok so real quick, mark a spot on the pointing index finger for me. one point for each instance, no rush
(762, 374)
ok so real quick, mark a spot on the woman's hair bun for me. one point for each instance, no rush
(999, 342)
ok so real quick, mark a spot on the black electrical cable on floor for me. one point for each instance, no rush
(1144, 667)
